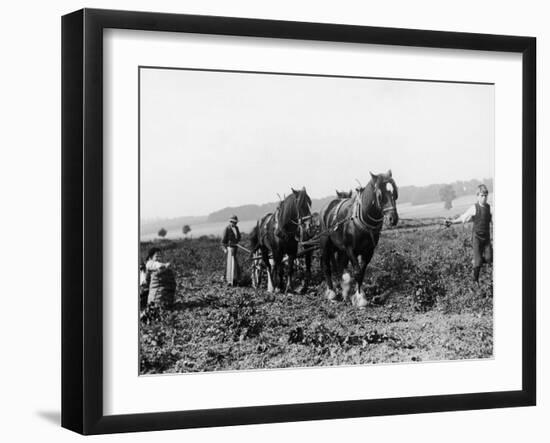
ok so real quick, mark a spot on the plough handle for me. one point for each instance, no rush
(243, 248)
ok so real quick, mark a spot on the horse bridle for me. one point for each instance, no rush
(301, 220)
(300, 223)
(376, 222)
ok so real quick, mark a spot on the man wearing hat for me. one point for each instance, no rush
(231, 237)
(480, 214)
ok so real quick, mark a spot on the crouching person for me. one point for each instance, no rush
(162, 286)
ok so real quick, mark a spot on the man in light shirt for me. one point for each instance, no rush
(480, 215)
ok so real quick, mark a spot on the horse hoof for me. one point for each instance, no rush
(331, 295)
(359, 300)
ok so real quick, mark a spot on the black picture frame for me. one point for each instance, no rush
(82, 218)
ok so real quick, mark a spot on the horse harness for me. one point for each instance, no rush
(371, 225)
(263, 226)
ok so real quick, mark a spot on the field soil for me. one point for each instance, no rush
(424, 307)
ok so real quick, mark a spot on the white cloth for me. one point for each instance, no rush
(230, 266)
(468, 215)
(153, 265)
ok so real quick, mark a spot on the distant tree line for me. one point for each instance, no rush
(420, 195)
(416, 195)
(170, 224)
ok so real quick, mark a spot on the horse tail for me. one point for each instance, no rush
(254, 239)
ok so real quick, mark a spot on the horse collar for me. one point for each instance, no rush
(357, 217)
(339, 206)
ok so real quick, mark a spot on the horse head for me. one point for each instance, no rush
(385, 194)
(343, 194)
(298, 210)
(302, 203)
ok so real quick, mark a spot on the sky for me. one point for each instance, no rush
(209, 140)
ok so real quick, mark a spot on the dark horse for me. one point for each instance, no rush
(278, 233)
(350, 228)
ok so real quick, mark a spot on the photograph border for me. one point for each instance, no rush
(82, 220)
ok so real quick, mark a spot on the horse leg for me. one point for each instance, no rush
(307, 277)
(290, 272)
(272, 275)
(326, 259)
(281, 275)
(277, 272)
(343, 260)
(358, 299)
(366, 258)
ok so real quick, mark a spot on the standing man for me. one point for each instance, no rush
(231, 237)
(480, 214)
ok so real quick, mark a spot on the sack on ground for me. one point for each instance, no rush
(162, 289)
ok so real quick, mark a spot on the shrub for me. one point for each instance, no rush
(238, 322)
(392, 269)
(428, 287)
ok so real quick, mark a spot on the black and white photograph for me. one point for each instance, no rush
(298, 220)
(301, 221)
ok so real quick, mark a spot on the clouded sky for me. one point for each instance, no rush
(210, 140)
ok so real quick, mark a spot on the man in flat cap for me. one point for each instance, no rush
(231, 238)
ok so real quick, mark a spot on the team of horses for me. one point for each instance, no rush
(350, 228)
